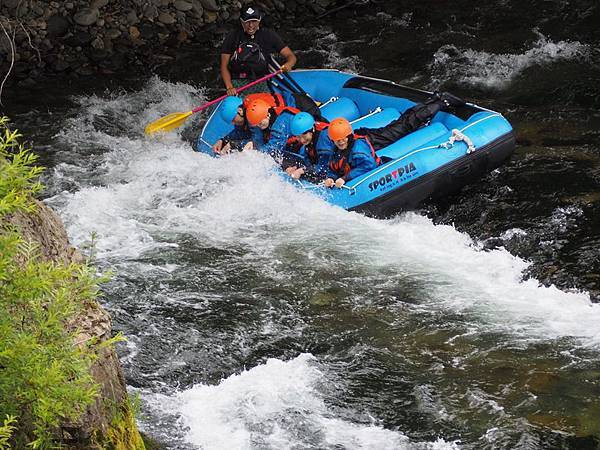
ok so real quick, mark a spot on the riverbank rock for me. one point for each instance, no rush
(69, 34)
(110, 419)
(86, 16)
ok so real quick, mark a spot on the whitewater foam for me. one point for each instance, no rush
(149, 192)
(492, 70)
(144, 195)
(279, 404)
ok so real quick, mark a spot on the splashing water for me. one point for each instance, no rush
(277, 405)
(329, 49)
(146, 188)
(163, 213)
(490, 70)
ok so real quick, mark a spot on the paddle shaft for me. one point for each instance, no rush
(289, 79)
(249, 85)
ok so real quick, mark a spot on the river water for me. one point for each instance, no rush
(259, 317)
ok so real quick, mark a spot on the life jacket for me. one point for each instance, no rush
(276, 111)
(273, 100)
(285, 109)
(248, 60)
(341, 165)
(311, 149)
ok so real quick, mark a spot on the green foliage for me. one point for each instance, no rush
(18, 175)
(122, 433)
(6, 431)
(44, 377)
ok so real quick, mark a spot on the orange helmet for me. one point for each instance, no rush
(256, 111)
(339, 128)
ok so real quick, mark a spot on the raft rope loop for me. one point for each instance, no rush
(458, 136)
(394, 161)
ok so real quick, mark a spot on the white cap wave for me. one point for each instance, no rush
(492, 70)
(279, 405)
(146, 193)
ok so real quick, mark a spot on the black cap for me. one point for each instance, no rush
(250, 12)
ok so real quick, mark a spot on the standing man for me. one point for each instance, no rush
(246, 52)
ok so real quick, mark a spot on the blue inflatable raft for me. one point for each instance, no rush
(450, 152)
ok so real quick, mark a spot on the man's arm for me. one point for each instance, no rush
(226, 74)
(290, 59)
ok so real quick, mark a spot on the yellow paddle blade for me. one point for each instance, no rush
(167, 123)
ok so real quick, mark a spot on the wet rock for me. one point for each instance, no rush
(182, 5)
(166, 18)
(151, 12)
(317, 9)
(38, 10)
(108, 44)
(85, 71)
(98, 43)
(279, 5)
(197, 8)
(147, 31)
(118, 60)
(11, 4)
(210, 16)
(5, 44)
(61, 66)
(99, 3)
(45, 229)
(47, 44)
(98, 55)
(134, 32)
(57, 26)
(132, 17)
(86, 16)
(182, 36)
(209, 5)
(80, 38)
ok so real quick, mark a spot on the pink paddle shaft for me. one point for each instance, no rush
(217, 100)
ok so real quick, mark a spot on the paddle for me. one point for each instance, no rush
(290, 79)
(304, 101)
(174, 120)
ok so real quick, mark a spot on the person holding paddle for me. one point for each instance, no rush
(246, 52)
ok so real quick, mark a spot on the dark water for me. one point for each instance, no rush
(259, 317)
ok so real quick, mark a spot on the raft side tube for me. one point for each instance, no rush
(342, 107)
(442, 181)
(377, 120)
(412, 141)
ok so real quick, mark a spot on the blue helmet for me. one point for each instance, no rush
(301, 123)
(229, 108)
